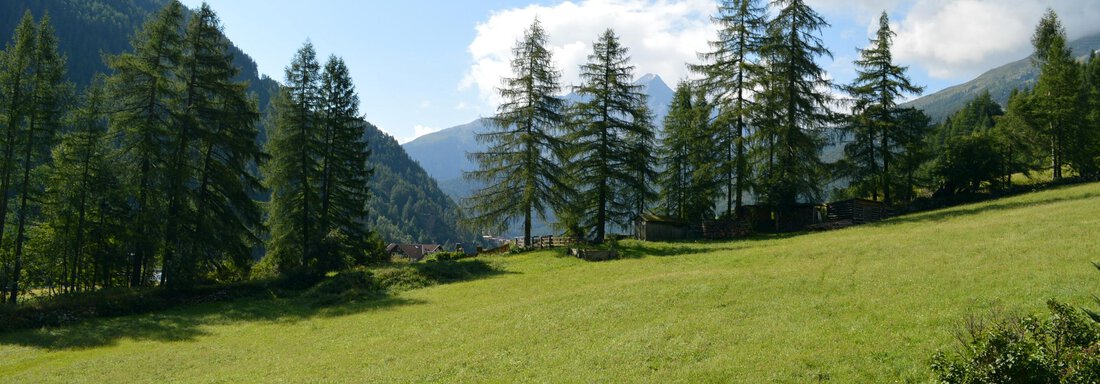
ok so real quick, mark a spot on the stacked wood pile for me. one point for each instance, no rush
(722, 229)
(594, 254)
(858, 211)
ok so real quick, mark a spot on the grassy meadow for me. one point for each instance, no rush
(867, 304)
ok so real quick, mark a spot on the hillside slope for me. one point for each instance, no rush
(999, 82)
(409, 207)
(868, 304)
(406, 204)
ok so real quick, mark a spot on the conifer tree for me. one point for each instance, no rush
(612, 110)
(521, 175)
(40, 120)
(675, 152)
(291, 174)
(1058, 94)
(874, 124)
(146, 90)
(221, 223)
(344, 173)
(82, 191)
(730, 72)
(640, 160)
(796, 106)
(687, 181)
(17, 61)
(1057, 90)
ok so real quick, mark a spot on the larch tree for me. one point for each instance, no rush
(796, 97)
(222, 222)
(675, 152)
(17, 61)
(687, 180)
(146, 91)
(520, 167)
(81, 192)
(344, 172)
(1058, 93)
(611, 110)
(730, 71)
(1055, 87)
(291, 174)
(42, 113)
(640, 160)
(874, 126)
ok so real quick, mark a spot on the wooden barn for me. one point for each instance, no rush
(413, 252)
(651, 227)
(857, 211)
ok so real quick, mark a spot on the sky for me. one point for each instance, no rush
(421, 66)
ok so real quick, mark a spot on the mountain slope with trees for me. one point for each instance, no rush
(999, 82)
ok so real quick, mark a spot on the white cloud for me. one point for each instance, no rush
(418, 130)
(662, 36)
(961, 38)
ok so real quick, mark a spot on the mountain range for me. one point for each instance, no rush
(406, 205)
(443, 153)
(998, 81)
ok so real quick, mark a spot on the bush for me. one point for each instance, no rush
(1063, 348)
(344, 286)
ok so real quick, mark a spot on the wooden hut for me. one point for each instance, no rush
(858, 211)
(798, 217)
(651, 227)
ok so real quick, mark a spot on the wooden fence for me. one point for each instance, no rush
(544, 242)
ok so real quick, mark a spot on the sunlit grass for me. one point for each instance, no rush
(866, 304)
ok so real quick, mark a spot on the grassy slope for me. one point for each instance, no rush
(866, 304)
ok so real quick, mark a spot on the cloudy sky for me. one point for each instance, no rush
(421, 66)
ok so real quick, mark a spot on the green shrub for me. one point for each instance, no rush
(1063, 348)
(400, 277)
(345, 283)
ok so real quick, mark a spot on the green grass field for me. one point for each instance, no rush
(869, 304)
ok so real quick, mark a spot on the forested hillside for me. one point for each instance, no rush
(87, 30)
(414, 209)
(406, 204)
(999, 82)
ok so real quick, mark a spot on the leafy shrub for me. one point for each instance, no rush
(447, 256)
(351, 282)
(400, 277)
(1063, 348)
(344, 286)
(412, 276)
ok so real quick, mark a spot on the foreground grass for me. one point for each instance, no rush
(867, 304)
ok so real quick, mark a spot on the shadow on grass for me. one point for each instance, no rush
(188, 322)
(979, 208)
(640, 249)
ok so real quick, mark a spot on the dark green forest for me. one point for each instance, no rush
(143, 156)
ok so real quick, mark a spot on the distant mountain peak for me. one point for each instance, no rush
(647, 78)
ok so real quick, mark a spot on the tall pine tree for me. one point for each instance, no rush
(291, 174)
(344, 173)
(519, 169)
(875, 125)
(145, 87)
(17, 61)
(40, 116)
(730, 72)
(796, 101)
(221, 223)
(611, 111)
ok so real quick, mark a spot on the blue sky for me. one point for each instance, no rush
(426, 65)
